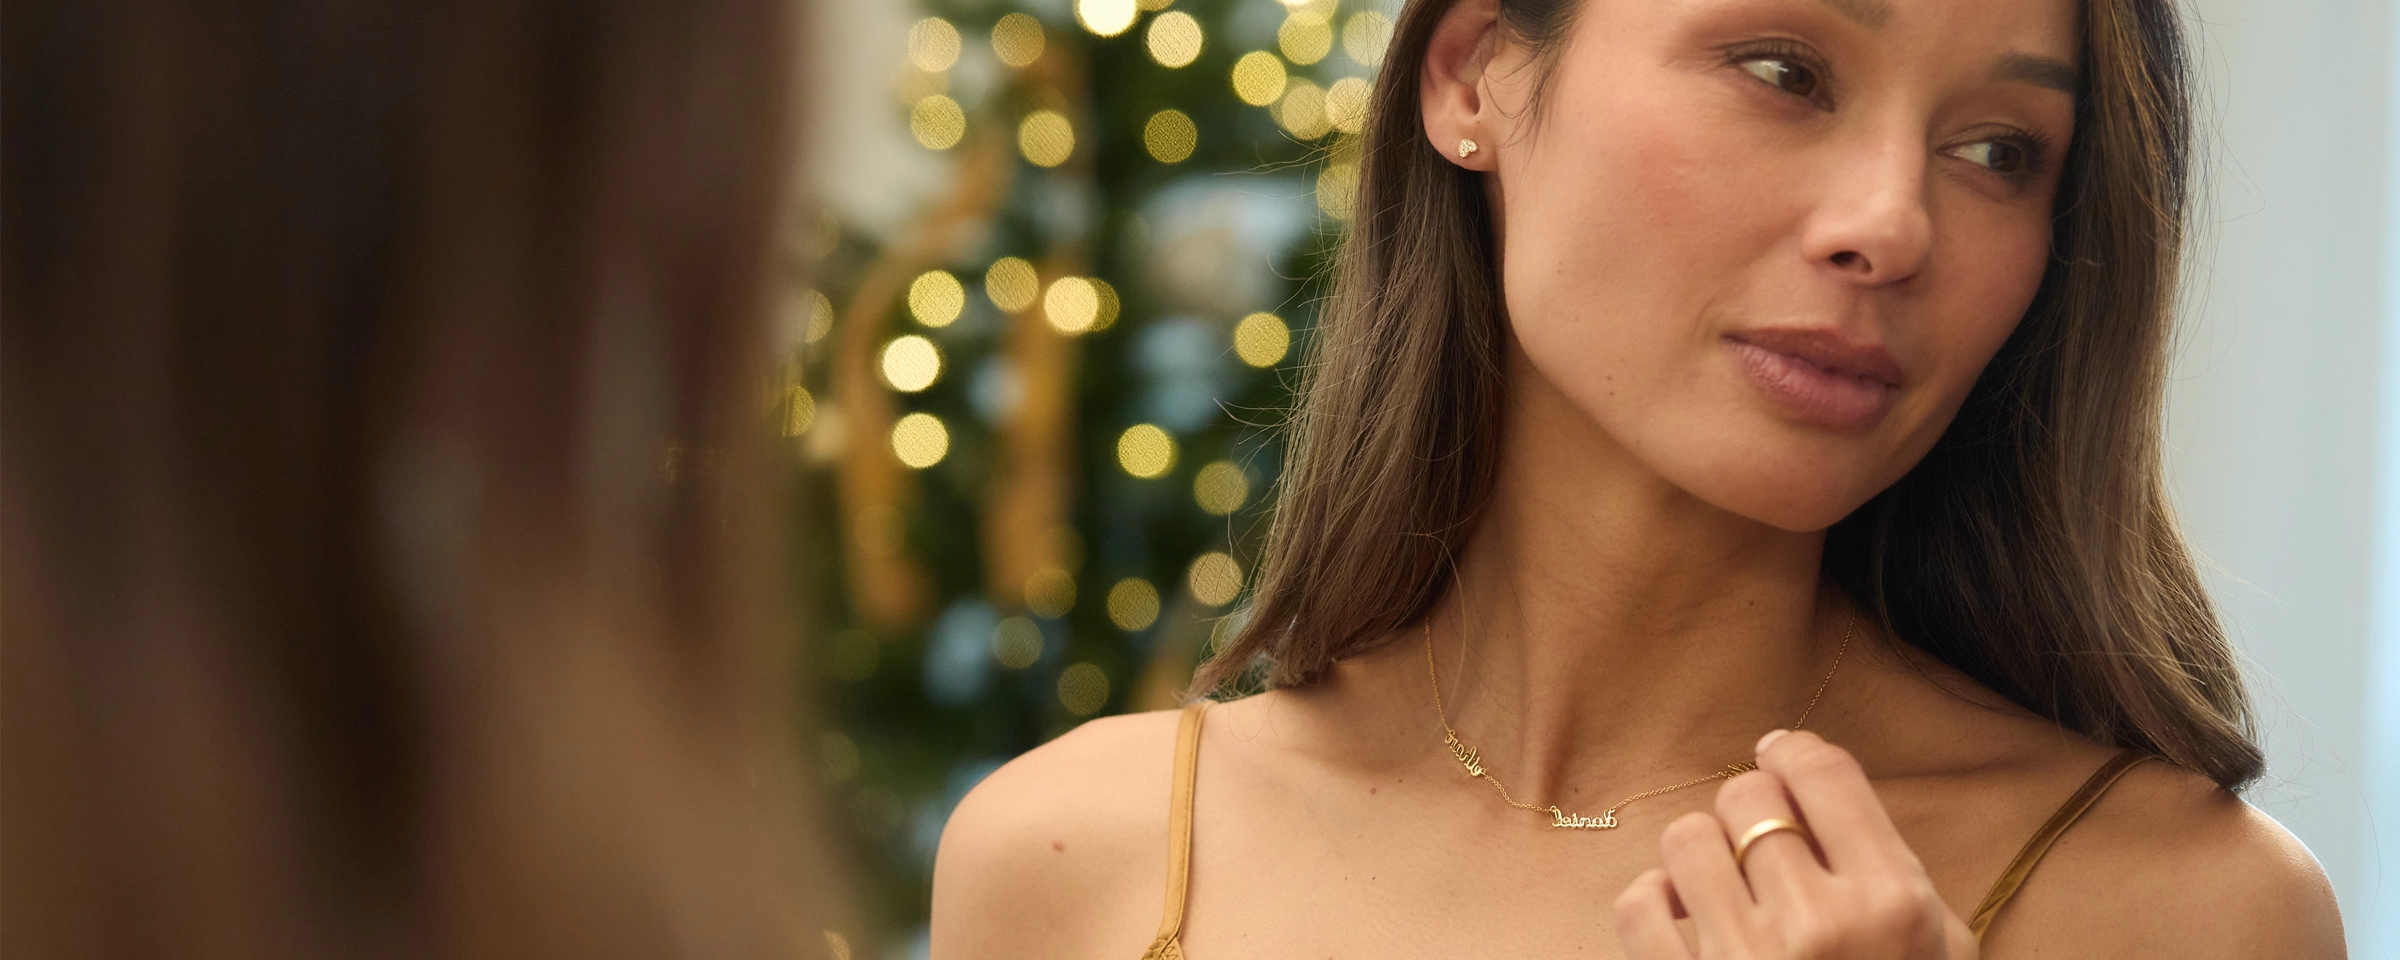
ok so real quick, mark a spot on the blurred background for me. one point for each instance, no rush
(1068, 254)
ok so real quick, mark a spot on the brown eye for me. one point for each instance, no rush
(1792, 78)
(1998, 155)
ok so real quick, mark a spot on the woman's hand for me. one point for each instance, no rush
(1865, 898)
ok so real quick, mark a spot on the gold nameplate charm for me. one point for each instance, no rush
(1563, 820)
(1466, 757)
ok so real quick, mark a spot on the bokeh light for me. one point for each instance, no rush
(1365, 35)
(1017, 39)
(935, 298)
(910, 363)
(1222, 632)
(1170, 136)
(937, 122)
(1012, 284)
(825, 234)
(1017, 643)
(920, 440)
(1305, 37)
(1302, 110)
(1258, 78)
(933, 45)
(1174, 39)
(1105, 17)
(1106, 315)
(1072, 305)
(1261, 339)
(1050, 592)
(1083, 688)
(1046, 138)
(1132, 604)
(1145, 450)
(1337, 189)
(801, 412)
(1215, 578)
(820, 316)
(1346, 104)
(1221, 488)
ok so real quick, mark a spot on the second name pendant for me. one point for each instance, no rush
(1561, 820)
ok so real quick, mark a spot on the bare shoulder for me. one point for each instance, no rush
(1061, 853)
(2168, 864)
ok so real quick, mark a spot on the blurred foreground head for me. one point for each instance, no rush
(387, 566)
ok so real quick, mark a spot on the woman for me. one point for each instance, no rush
(348, 610)
(1701, 370)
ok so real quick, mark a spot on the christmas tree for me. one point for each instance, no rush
(1037, 408)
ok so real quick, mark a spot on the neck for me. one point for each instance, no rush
(1606, 632)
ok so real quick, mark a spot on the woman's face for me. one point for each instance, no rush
(1765, 246)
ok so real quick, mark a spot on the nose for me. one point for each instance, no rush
(1872, 226)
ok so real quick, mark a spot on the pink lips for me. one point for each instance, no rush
(1819, 375)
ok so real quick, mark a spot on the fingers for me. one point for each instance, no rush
(1781, 864)
(1699, 862)
(1646, 914)
(1836, 802)
(1866, 894)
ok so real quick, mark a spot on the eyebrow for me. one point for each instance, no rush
(2048, 72)
(1870, 14)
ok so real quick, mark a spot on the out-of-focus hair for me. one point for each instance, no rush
(2033, 548)
(389, 567)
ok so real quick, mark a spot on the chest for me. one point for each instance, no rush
(1411, 892)
(1384, 870)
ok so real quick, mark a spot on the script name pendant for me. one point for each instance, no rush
(1466, 756)
(1562, 820)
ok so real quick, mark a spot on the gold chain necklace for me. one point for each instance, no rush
(1559, 819)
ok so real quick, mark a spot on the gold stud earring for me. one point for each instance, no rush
(1465, 147)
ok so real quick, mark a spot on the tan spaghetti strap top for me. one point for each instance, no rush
(1168, 945)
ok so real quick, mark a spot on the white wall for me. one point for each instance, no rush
(2274, 419)
(2376, 931)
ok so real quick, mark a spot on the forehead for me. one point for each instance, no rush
(2044, 28)
(2048, 25)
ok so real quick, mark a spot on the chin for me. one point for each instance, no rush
(1783, 511)
(1781, 481)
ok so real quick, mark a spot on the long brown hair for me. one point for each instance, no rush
(390, 564)
(2033, 548)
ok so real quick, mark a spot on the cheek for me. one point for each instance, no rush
(1616, 245)
(1990, 279)
(1987, 278)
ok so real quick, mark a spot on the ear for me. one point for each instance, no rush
(1451, 90)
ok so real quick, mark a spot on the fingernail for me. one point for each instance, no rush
(1769, 738)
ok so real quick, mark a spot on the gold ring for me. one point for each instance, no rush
(1741, 847)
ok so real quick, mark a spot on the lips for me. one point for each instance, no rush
(1819, 376)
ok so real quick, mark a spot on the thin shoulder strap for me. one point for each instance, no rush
(1179, 827)
(2014, 877)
